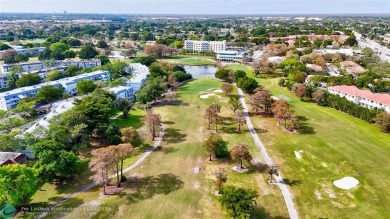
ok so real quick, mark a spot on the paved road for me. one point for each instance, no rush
(284, 189)
(157, 143)
(376, 47)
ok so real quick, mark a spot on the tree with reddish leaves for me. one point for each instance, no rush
(153, 122)
(241, 152)
(261, 100)
(240, 118)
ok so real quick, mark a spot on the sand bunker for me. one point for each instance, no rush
(218, 91)
(346, 183)
(205, 96)
(298, 154)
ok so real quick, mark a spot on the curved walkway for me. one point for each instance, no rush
(157, 141)
(285, 192)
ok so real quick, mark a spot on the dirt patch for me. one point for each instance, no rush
(238, 169)
(330, 193)
(196, 185)
(196, 170)
(318, 194)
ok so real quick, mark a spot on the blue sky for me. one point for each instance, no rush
(198, 6)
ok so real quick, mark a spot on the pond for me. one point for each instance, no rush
(201, 71)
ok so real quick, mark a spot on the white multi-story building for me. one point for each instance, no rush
(35, 66)
(363, 98)
(139, 74)
(26, 67)
(123, 92)
(203, 46)
(10, 99)
(3, 81)
(231, 56)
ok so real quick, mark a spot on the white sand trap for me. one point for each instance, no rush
(346, 183)
(205, 96)
(298, 154)
(218, 91)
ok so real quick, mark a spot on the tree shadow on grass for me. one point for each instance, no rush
(258, 167)
(167, 150)
(292, 182)
(303, 127)
(168, 122)
(259, 212)
(172, 135)
(147, 187)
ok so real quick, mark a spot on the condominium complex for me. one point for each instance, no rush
(123, 92)
(203, 46)
(10, 99)
(33, 66)
(363, 98)
(140, 73)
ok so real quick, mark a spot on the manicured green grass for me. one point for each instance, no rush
(334, 145)
(134, 119)
(190, 61)
(246, 68)
(168, 187)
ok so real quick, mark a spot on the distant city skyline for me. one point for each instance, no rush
(198, 6)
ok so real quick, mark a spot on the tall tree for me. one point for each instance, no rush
(18, 184)
(235, 104)
(53, 161)
(214, 145)
(101, 163)
(124, 106)
(240, 118)
(261, 99)
(28, 80)
(221, 176)
(85, 86)
(13, 76)
(129, 135)
(281, 111)
(124, 151)
(238, 201)
(153, 122)
(87, 52)
(301, 91)
(382, 120)
(48, 94)
(215, 109)
(241, 152)
(226, 88)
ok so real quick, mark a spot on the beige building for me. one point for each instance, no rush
(203, 46)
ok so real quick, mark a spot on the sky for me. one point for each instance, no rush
(198, 6)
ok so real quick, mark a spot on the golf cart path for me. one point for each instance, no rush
(157, 143)
(285, 192)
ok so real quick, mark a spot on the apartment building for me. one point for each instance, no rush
(140, 73)
(363, 98)
(34, 66)
(123, 92)
(3, 81)
(203, 46)
(26, 67)
(10, 99)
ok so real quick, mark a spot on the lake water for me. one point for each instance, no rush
(201, 71)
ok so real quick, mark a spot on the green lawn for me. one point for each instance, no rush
(189, 61)
(167, 186)
(334, 145)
